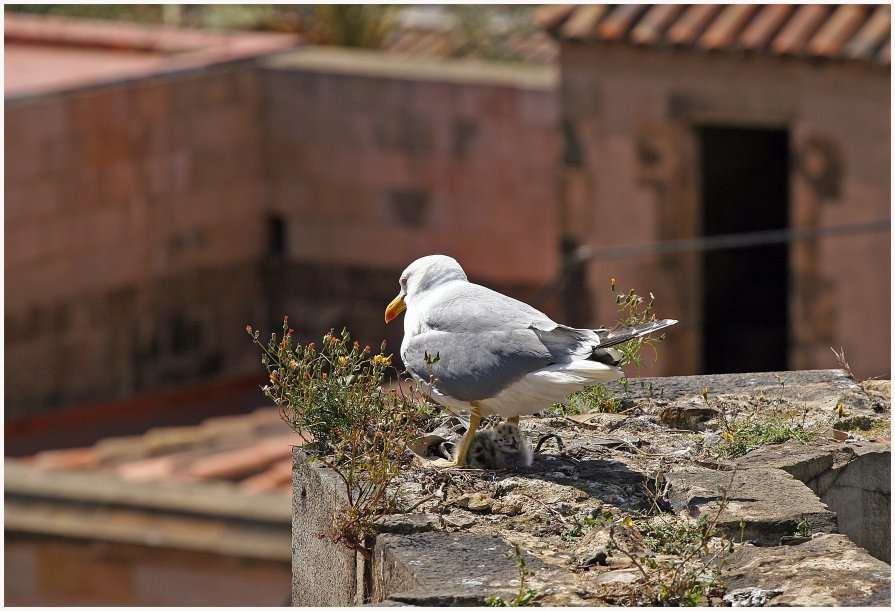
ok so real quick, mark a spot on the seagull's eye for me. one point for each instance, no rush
(404, 281)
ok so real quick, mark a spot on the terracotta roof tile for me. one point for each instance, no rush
(160, 468)
(75, 458)
(279, 475)
(548, 16)
(254, 447)
(837, 30)
(242, 462)
(692, 23)
(655, 23)
(163, 440)
(794, 37)
(762, 29)
(583, 21)
(871, 35)
(116, 450)
(723, 30)
(833, 32)
(617, 23)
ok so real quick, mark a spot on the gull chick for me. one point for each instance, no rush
(500, 447)
(495, 355)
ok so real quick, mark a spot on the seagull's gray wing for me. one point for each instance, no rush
(475, 366)
(485, 341)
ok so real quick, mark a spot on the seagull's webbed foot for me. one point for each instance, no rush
(459, 459)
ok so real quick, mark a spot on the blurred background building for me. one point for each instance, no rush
(176, 172)
(167, 186)
(684, 123)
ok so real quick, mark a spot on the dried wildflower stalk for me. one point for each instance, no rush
(334, 396)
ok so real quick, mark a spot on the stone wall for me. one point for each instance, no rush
(450, 550)
(631, 176)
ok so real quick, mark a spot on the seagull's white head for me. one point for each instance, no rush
(420, 276)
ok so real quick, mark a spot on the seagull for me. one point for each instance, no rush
(480, 352)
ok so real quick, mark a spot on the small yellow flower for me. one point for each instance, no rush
(341, 360)
(324, 376)
(293, 363)
(273, 376)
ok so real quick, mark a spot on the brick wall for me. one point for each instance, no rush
(150, 220)
(132, 211)
(384, 163)
(631, 176)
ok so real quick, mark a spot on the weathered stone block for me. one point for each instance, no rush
(859, 491)
(769, 502)
(828, 571)
(325, 573)
(802, 462)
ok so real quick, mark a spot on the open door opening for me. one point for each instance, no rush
(745, 187)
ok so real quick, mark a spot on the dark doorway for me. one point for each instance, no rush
(745, 188)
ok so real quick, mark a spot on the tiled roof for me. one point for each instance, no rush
(433, 31)
(859, 32)
(528, 47)
(252, 452)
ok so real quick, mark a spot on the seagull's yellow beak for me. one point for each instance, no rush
(394, 308)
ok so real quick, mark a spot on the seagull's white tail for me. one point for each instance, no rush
(546, 386)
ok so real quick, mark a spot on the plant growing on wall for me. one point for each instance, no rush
(335, 395)
(633, 310)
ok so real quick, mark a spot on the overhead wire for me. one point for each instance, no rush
(750, 239)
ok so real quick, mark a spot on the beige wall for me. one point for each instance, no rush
(634, 112)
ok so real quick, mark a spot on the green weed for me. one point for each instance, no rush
(334, 395)
(525, 596)
(742, 435)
